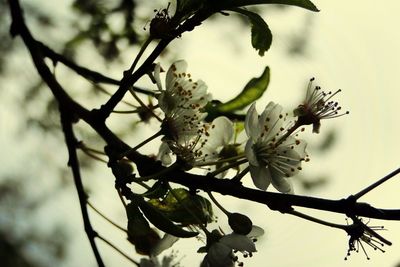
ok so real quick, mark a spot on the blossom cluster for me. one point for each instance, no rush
(272, 152)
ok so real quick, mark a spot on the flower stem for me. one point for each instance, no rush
(82, 146)
(125, 111)
(316, 220)
(121, 198)
(154, 136)
(376, 184)
(139, 55)
(158, 174)
(217, 204)
(143, 104)
(240, 175)
(220, 161)
(227, 167)
(90, 154)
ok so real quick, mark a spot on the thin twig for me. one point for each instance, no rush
(119, 251)
(376, 184)
(138, 56)
(106, 218)
(154, 136)
(144, 105)
(93, 156)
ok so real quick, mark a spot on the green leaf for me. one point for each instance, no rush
(139, 232)
(261, 36)
(160, 221)
(158, 190)
(253, 90)
(180, 205)
(299, 3)
(185, 8)
(185, 5)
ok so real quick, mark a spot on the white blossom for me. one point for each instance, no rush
(221, 252)
(201, 149)
(272, 156)
(167, 261)
(182, 102)
(318, 106)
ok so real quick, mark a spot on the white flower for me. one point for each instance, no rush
(164, 154)
(201, 149)
(167, 261)
(219, 136)
(272, 159)
(182, 102)
(221, 252)
(218, 144)
(317, 106)
(163, 244)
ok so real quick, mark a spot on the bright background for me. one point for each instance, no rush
(352, 45)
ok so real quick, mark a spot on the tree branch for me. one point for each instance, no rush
(74, 164)
(67, 112)
(86, 73)
(129, 79)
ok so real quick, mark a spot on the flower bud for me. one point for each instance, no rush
(240, 224)
(160, 25)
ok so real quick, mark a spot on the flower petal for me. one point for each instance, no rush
(250, 153)
(219, 255)
(165, 243)
(178, 67)
(238, 242)
(256, 231)
(251, 122)
(157, 71)
(164, 154)
(271, 121)
(221, 132)
(281, 183)
(261, 176)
